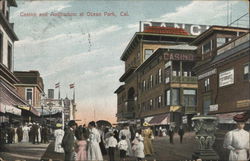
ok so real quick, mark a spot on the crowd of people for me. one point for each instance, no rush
(28, 132)
(92, 142)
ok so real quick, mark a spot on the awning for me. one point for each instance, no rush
(11, 100)
(10, 109)
(163, 119)
(227, 118)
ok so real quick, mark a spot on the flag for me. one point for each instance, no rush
(57, 85)
(72, 85)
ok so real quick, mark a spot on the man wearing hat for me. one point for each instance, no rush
(237, 141)
(68, 141)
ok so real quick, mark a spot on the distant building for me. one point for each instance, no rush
(223, 72)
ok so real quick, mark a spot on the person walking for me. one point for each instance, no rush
(94, 151)
(19, 132)
(34, 133)
(237, 141)
(123, 147)
(111, 144)
(147, 134)
(171, 135)
(58, 133)
(126, 132)
(181, 133)
(68, 141)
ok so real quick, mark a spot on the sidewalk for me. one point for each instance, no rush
(23, 151)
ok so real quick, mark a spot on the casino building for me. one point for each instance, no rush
(158, 83)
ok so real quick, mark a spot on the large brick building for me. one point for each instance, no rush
(223, 71)
(144, 70)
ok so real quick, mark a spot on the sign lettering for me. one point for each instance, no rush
(192, 29)
(177, 56)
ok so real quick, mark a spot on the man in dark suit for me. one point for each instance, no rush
(34, 133)
(68, 141)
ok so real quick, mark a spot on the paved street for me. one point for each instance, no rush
(163, 150)
(23, 151)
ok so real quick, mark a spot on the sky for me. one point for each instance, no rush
(86, 50)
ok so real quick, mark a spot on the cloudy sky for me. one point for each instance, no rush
(86, 50)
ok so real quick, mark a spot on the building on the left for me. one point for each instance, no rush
(12, 104)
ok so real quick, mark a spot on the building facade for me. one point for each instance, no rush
(9, 98)
(223, 71)
(133, 103)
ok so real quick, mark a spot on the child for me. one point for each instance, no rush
(81, 148)
(111, 144)
(139, 149)
(123, 147)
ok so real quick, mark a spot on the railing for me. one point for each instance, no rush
(179, 79)
(234, 43)
(128, 115)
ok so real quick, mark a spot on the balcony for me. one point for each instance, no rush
(179, 79)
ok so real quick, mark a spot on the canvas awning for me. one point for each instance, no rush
(12, 102)
(163, 119)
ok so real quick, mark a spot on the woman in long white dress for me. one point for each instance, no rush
(26, 130)
(126, 132)
(94, 151)
(59, 133)
(15, 136)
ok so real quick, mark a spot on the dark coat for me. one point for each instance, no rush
(68, 140)
(181, 132)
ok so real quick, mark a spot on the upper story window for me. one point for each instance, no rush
(10, 56)
(160, 75)
(207, 47)
(29, 95)
(144, 85)
(207, 84)
(148, 53)
(159, 101)
(151, 81)
(167, 97)
(247, 72)
(189, 97)
(151, 104)
(222, 40)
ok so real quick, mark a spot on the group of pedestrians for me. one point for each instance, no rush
(31, 132)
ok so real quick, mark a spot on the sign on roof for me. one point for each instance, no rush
(192, 29)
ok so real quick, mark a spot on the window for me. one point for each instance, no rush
(1, 47)
(159, 74)
(144, 85)
(189, 97)
(247, 72)
(175, 100)
(9, 56)
(207, 84)
(151, 81)
(147, 53)
(159, 102)
(150, 104)
(29, 95)
(207, 47)
(206, 104)
(220, 41)
(167, 97)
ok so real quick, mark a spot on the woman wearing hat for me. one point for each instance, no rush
(237, 141)
(59, 133)
(147, 133)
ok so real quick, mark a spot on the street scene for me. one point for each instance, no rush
(124, 80)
